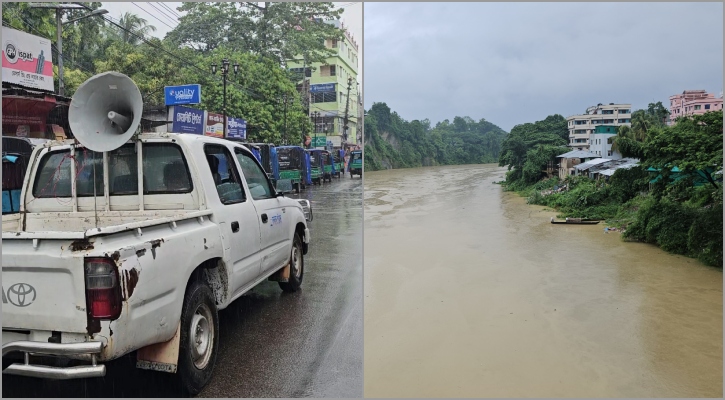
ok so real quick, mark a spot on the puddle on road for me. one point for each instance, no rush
(470, 292)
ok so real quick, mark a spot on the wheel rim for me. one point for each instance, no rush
(202, 336)
(296, 262)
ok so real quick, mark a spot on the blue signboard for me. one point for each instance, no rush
(184, 94)
(324, 87)
(236, 128)
(187, 120)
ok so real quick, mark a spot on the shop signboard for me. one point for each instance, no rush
(187, 120)
(27, 60)
(236, 128)
(184, 94)
(214, 125)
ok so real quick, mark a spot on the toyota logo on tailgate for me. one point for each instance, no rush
(20, 294)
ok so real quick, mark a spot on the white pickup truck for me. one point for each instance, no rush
(187, 225)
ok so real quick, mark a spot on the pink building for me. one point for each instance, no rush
(693, 102)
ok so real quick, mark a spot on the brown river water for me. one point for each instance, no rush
(470, 292)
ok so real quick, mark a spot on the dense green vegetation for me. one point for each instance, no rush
(257, 36)
(392, 142)
(681, 213)
(529, 148)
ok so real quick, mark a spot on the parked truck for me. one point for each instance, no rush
(136, 249)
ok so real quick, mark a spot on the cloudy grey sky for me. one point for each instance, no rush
(512, 63)
(164, 20)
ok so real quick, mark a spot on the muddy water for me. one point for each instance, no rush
(470, 292)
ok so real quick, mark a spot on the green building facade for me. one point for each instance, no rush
(325, 86)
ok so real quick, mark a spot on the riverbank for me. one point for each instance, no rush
(680, 218)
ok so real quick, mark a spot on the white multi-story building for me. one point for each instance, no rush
(581, 127)
(601, 144)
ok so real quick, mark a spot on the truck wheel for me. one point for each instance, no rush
(199, 338)
(297, 267)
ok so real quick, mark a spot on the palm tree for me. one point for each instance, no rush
(640, 125)
(133, 23)
(624, 132)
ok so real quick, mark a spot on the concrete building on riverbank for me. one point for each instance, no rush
(581, 127)
(328, 86)
(693, 102)
(601, 142)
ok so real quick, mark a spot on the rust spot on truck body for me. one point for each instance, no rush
(81, 245)
(131, 277)
(154, 244)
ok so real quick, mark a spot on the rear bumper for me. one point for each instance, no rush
(92, 349)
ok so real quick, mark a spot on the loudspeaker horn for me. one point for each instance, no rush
(105, 111)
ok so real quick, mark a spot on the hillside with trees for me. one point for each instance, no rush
(392, 142)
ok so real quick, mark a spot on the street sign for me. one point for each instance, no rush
(323, 87)
(319, 141)
(184, 94)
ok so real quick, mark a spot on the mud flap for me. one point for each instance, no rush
(160, 356)
(282, 275)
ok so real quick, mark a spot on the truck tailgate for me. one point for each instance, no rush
(43, 287)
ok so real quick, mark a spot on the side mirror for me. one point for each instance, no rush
(284, 186)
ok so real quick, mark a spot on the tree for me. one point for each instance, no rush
(539, 139)
(694, 145)
(133, 23)
(282, 31)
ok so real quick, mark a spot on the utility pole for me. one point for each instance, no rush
(285, 120)
(59, 31)
(347, 108)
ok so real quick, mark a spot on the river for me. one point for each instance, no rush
(470, 292)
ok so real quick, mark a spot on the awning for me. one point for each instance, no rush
(22, 110)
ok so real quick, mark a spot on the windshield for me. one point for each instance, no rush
(289, 158)
(356, 156)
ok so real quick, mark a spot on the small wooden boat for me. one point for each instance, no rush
(576, 221)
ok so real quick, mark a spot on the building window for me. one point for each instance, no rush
(607, 111)
(707, 106)
(697, 107)
(325, 97)
(609, 153)
(334, 43)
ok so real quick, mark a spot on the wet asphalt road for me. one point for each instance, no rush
(272, 344)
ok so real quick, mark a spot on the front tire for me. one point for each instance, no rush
(297, 267)
(199, 339)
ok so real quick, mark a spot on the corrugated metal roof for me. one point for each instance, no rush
(578, 154)
(592, 163)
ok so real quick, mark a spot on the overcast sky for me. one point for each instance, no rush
(520, 62)
(164, 20)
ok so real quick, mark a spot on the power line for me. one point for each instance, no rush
(157, 18)
(173, 20)
(162, 4)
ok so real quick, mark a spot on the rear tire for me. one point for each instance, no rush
(199, 338)
(297, 267)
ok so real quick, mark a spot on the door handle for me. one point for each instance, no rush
(264, 218)
(235, 226)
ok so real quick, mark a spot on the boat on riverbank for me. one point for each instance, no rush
(576, 221)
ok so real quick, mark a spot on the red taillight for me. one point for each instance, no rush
(103, 291)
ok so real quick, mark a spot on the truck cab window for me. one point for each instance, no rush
(254, 175)
(225, 174)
